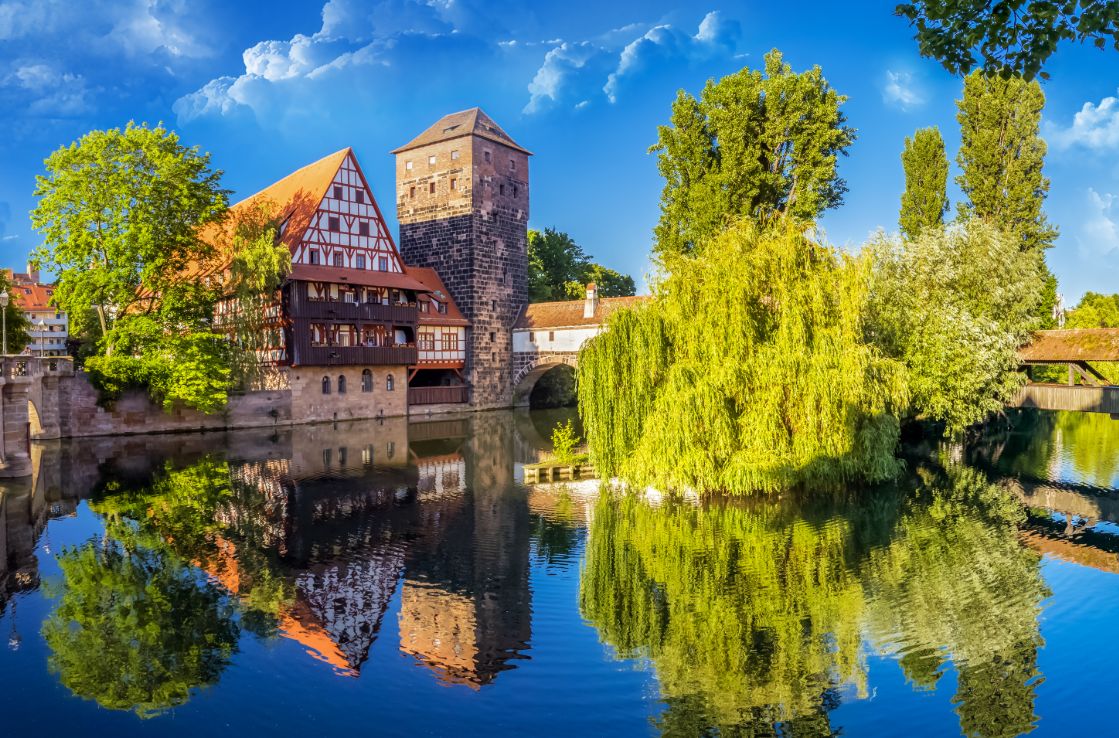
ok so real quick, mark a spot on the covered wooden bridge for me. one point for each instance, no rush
(1086, 388)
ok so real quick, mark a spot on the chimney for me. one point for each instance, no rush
(32, 273)
(591, 303)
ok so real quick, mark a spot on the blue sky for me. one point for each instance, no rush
(268, 87)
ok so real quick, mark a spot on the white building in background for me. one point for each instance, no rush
(49, 326)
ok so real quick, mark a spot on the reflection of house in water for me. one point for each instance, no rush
(465, 603)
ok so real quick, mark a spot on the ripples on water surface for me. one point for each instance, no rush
(396, 579)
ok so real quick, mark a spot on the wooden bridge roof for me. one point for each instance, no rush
(1070, 345)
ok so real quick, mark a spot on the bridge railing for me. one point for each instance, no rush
(35, 366)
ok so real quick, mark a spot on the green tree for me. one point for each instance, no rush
(762, 383)
(18, 324)
(924, 202)
(1094, 311)
(954, 305)
(1001, 158)
(135, 628)
(1012, 37)
(559, 269)
(121, 212)
(754, 144)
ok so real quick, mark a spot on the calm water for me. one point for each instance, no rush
(396, 579)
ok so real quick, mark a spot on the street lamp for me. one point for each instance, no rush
(42, 326)
(4, 318)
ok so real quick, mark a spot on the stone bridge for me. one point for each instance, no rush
(29, 407)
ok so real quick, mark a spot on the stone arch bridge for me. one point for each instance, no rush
(29, 407)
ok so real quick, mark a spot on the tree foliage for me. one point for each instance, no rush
(120, 212)
(925, 200)
(954, 305)
(1007, 37)
(1001, 158)
(1094, 311)
(747, 372)
(559, 269)
(754, 144)
(17, 323)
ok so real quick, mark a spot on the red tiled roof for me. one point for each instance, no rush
(366, 277)
(30, 295)
(430, 278)
(463, 123)
(569, 313)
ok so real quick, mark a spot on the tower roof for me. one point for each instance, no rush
(472, 122)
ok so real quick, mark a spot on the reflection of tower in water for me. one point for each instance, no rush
(465, 605)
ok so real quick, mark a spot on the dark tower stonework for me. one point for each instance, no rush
(462, 201)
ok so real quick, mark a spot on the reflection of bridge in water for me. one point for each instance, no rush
(349, 517)
(1076, 538)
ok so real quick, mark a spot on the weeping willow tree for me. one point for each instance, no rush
(750, 615)
(956, 584)
(747, 372)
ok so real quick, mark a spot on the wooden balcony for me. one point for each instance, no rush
(354, 311)
(436, 395)
(307, 355)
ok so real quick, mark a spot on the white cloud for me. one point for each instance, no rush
(1099, 232)
(560, 65)
(50, 93)
(663, 42)
(899, 90)
(1094, 126)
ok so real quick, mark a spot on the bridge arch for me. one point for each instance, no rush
(528, 375)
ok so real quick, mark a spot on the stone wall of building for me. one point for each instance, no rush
(476, 236)
(309, 404)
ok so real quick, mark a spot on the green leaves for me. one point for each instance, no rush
(1011, 38)
(925, 200)
(558, 269)
(754, 145)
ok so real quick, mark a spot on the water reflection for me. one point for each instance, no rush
(754, 615)
(347, 543)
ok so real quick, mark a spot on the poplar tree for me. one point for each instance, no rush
(924, 201)
(1001, 159)
(755, 144)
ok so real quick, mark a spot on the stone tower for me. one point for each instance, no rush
(462, 202)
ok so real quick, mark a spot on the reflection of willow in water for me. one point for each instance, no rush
(1058, 446)
(754, 616)
(750, 615)
(955, 583)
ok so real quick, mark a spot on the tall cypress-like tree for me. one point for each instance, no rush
(1001, 158)
(925, 199)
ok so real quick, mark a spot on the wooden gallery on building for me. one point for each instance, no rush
(365, 328)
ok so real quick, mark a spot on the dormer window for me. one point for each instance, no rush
(442, 306)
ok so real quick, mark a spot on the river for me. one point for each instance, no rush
(395, 578)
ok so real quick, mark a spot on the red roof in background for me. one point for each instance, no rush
(365, 277)
(430, 278)
(29, 295)
(569, 313)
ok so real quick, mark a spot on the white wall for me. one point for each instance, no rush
(556, 339)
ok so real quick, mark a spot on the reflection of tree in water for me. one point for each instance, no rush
(1040, 442)
(754, 616)
(750, 615)
(955, 583)
(135, 628)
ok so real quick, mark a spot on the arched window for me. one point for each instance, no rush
(366, 380)
(341, 384)
(389, 384)
(326, 385)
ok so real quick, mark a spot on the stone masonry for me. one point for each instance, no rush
(462, 204)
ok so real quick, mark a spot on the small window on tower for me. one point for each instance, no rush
(359, 196)
(339, 259)
(514, 192)
(431, 160)
(412, 192)
(454, 154)
(383, 263)
(337, 192)
(333, 224)
(431, 188)
(512, 165)
(493, 306)
(487, 157)
(493, 336)
(501, 189)
(408, 165)
(454, 183)
(363, 228)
